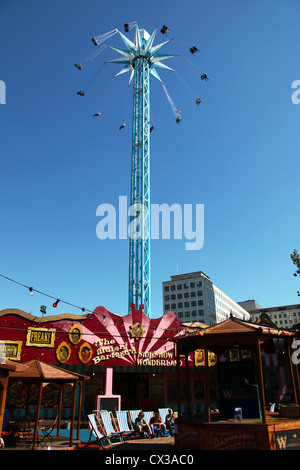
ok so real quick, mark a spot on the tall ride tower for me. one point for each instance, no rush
(142, 59)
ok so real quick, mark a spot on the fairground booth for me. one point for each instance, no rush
(129, 360)
(240, 416)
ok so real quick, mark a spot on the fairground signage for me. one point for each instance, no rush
(100, 339)
(10, 349)
(111, 351)
(40, 337)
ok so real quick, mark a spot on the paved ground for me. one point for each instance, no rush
(159, 443)
(62, 443)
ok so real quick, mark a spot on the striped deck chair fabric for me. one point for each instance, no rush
(148, 415)
(107, 418)
(122, 422)
(163, 413)
(133, 414)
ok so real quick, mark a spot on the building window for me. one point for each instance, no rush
(173, 287)
(173, 296)
(179, 286)
(186, 295)
(186, 285)
(166, 288)
(180, 305)
(201, 312)
(192, 284)
(199, 293)
(173, 305)
(199, 283)
(193, 294)
(167, 297)
(186, 304)
(180, 314)
(194, 313)
(193, 303)
(187, 314)
(167, 306)
(200, 302)
(179, 296)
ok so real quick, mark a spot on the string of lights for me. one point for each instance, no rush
(57, 300)
(84, 310)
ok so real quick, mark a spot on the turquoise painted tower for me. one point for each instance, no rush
(140, 58)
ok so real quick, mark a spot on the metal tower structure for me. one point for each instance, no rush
(140, 58)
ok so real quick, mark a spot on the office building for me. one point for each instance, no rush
(284, 316)
(193, 297)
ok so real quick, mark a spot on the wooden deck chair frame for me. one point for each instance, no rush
(101, 439)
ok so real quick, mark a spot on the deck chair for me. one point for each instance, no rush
(106, 419)
(123, 426)
(47, 431)
(148, 415)
(163, 413)
(101, 439)
(133, 414)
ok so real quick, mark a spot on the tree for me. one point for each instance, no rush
(296, 261)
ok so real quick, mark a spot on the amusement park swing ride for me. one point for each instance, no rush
(142, 59)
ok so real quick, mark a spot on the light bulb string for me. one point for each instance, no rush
(45, 294)
(57, 299)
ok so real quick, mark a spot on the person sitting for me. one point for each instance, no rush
(164, 30)
(170, 420)
(142, 427)
(194, 50)
(157, 425)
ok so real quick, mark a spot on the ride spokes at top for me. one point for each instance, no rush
(142, 46)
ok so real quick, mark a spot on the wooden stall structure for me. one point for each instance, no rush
(6, 368)
(40, 373)
(262, 430)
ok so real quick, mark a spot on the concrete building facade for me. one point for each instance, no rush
(194, 297)
(284, 316)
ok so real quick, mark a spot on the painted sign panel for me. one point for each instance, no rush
(235, 440)
(10, 349)
(288, 439)
(40, 337)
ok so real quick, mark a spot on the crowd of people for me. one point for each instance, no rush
(156, 427)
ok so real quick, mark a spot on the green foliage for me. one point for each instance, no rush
(296, 261)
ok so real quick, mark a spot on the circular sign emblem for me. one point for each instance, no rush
(75, 334)
(63, 352)
(85, 353)
(136, 331)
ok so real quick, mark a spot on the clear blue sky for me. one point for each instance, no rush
(238, 153)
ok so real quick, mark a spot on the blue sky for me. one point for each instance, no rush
(238, 153)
